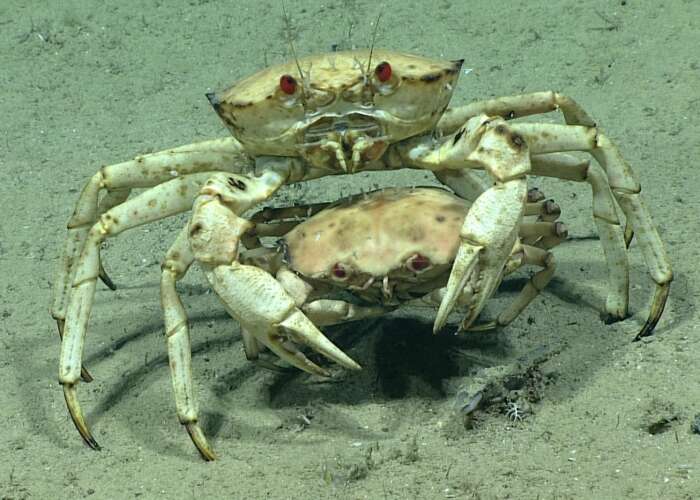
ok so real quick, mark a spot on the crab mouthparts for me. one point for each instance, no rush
(343, 143)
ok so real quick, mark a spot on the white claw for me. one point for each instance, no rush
(465, 262)
(302, 330)
(267, 313)
(293, 356)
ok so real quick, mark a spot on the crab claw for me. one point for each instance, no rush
(296, 328)
(265, 310)
(466, 260)
(488, 235)
(303, 331)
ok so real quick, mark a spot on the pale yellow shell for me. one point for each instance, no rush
(378, 233)
(337, 85)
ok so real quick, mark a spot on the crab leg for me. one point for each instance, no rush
(278, 221)
(296, 213)
(118, 179)
(621, 181)
(177, 261)
(177, 333)
(536, 283)
(324, 312)
(111, 199)
(545, 210)
(564, 166)
(491, 226)
(462, 182)
(251, 295)
(543, 234)
(549, 138)
(546, 235)
(516, 106)
(161, 201)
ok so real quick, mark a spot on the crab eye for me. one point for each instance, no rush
(288, 84)
(383, 71)
(418, 263)
(339, 272)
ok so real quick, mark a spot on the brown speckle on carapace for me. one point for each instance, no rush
(376, 235)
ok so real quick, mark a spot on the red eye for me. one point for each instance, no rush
(418, 263)
(288, 84)
(339, 271)
(383, 71)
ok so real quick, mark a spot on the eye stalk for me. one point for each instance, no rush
(339, 272)
(418, 263)
(288, 84)
(383, 72)
(382, 81)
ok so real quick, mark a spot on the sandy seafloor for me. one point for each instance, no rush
(90, 83)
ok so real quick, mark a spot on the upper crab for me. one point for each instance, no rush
(337, 110)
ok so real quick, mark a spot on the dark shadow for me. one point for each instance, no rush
(410, 360)
(400, 357)
(134, 380)
(147, 329)
(212, 423)
(587, 237)
(563, 290)
(234, 379)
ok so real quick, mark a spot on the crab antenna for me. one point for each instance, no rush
(288, 29)
(374, 38)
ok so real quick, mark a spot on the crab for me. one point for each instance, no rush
(383, 248)
(347, 112)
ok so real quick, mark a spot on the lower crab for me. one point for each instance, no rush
(383, 248)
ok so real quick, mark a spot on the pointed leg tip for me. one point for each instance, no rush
(442, 315)
(85, 375)
(314, 369)
(481, 327)
(534, 195)
(76, 414)
(354, 366)
(657, 309)
(347, 362)
(200, 441)
(647, 330)
(305, 332)
(108, 282)
(438, 325)
(104, 277)
(90, 441)
(612, 317)
(61, 324)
